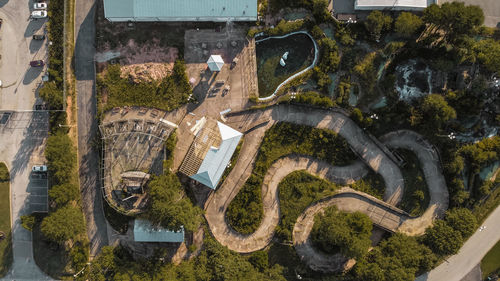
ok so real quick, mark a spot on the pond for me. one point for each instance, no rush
(270, 72)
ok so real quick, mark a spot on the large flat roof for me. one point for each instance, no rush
(180, 10)
(392, 4)
(144, 231)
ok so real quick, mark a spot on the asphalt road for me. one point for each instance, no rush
(87, 124)
(470, 254)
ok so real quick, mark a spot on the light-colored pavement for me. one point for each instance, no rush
(491, 10)
(470, 254)
(23, 138)
(19, 80)
(218, 202)
(381, 213)
(87, 125)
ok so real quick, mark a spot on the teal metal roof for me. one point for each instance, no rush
(216, 159)
(145, 232)
(179, 10)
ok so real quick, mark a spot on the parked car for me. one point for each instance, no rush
(38, 36)
(36, 63)
(40, 14)
(1, 20)
(39, 168)
(40, 6)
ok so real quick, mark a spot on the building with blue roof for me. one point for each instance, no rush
(144, 231)
(210, 153)
(180, 10)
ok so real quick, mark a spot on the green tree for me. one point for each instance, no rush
(398, 258)
(169, 206)
(454, 18)
(407, 24)
(320, 10)
(61, 158)
(443, 239)
(347, 233)
(434, 112)
(64, 193)
(376, 23)
(63, 224)
(487, 53)
(52, 95)
(462, 220)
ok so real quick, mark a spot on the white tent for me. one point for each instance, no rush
(215, 63)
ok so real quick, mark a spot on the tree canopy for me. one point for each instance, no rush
(169, 206)
(454, 18)
(347, 233)
(462, 220)
(434, 111)
(407, 24)
(488, 54)
(398, 258)
(60, 154)
(376, 22)
(63, 224)
(443, 239)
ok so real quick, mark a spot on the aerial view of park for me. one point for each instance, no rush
(251, 140)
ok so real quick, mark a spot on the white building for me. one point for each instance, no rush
(180, 10)
(405, 5)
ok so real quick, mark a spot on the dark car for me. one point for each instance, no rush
(35, 63)
(38, 36)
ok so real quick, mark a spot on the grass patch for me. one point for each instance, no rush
(118, 221)
(416, 193)
(269, 71)
(50, 257)
(5, 224)
(491, 262)
(372, 184)
(297, 191)
(167, 94)
(245, 211)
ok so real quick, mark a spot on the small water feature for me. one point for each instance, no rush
(414, 79)
(295, 16)
(381, 103)
(353, 98)
(488, 171)
(331, 88)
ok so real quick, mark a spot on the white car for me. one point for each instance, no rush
(41, 168)
(39, 14)
(40, 6)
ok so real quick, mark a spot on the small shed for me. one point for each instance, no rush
(144, 231)
(215, 63)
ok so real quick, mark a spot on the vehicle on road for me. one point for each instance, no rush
(39, 168)
(40, 14)
(40, 6)
(36, 63)
(38, 36)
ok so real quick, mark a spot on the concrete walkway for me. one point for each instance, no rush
(384, 214)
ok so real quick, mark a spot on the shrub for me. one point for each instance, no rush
(28, 221)
(407, 24)
(314, 98)
(64, 224)
(347, 233)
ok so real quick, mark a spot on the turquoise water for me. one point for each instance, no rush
(353, 99)
(295, 16)
(381, 103)
(329, 32)
(331, 88)
(487, 172)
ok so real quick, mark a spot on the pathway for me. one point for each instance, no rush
(383, 214)
(88, 157)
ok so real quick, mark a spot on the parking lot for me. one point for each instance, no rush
(23, 137)
(20, 81)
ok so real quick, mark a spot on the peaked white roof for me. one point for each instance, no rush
(215, 63)
(216, 159)
(392, 4)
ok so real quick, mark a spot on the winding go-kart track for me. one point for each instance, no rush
(372, 155)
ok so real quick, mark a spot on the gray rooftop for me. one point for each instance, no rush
(180, 10)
